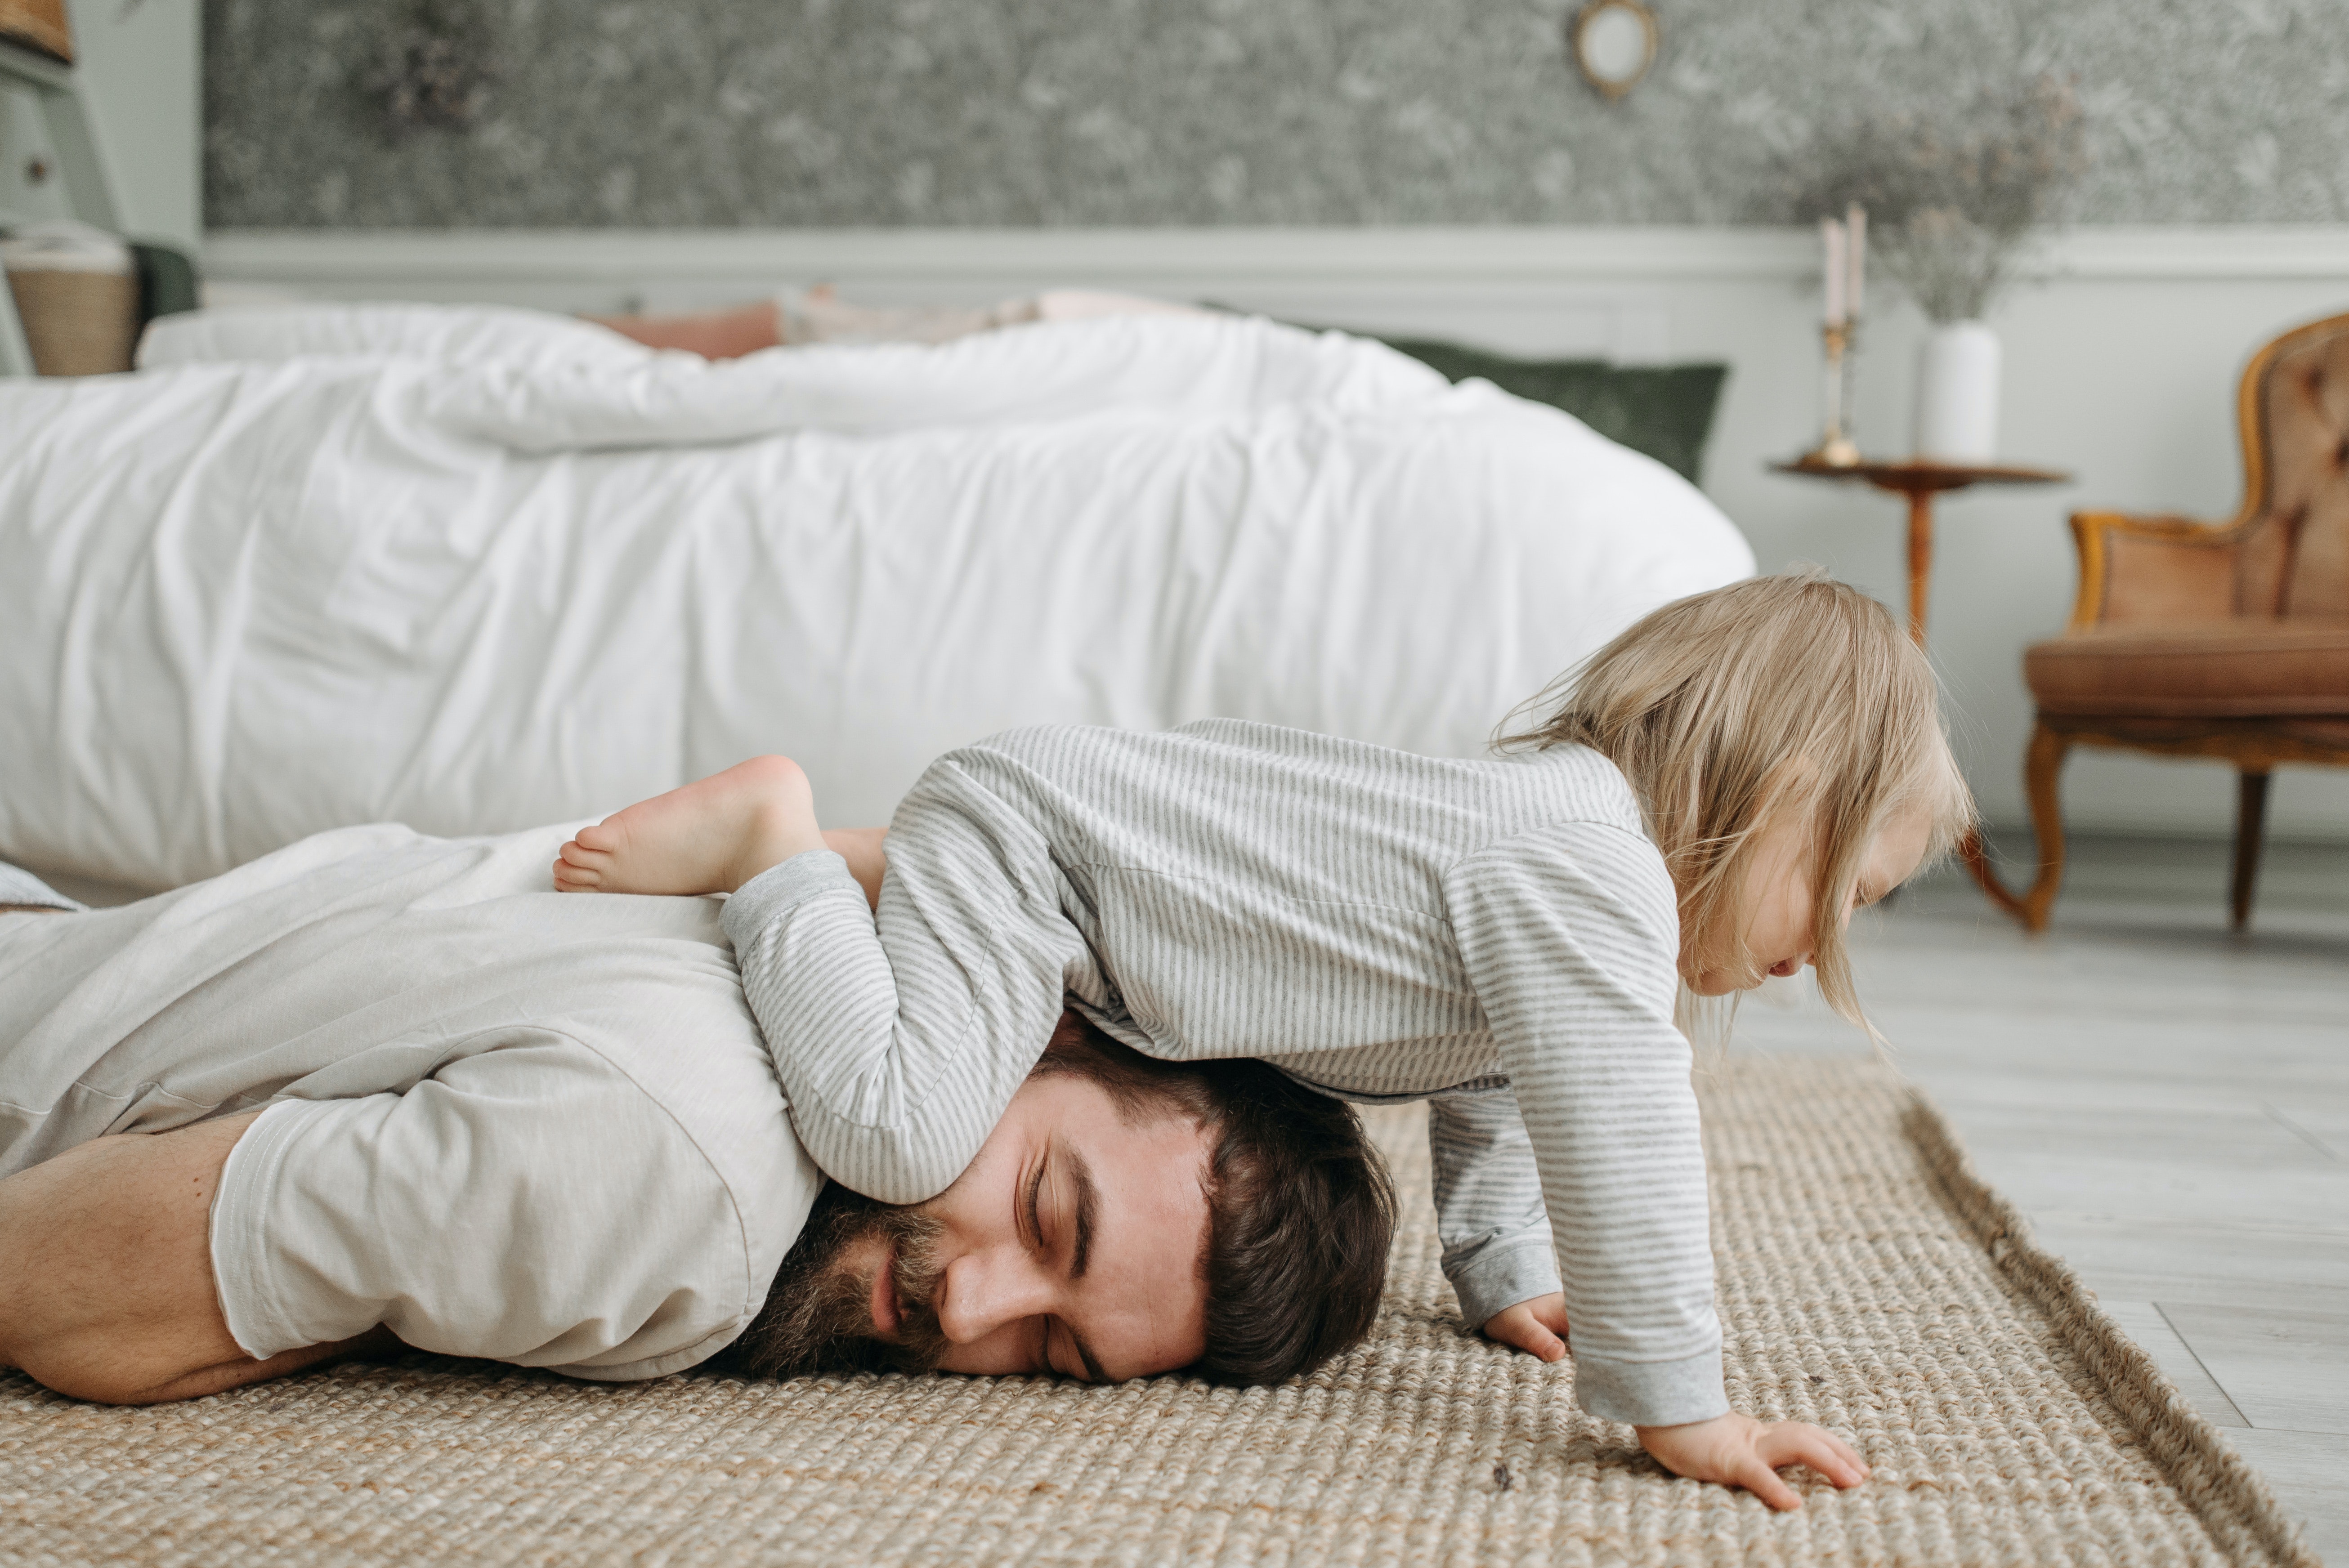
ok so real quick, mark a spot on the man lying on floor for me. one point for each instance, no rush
(384, 1090)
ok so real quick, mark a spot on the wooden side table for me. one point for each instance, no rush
(1921, 482)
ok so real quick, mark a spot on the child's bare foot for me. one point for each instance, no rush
(711, 836)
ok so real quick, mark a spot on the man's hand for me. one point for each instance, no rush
(1738, 1450)
(1536, 1326)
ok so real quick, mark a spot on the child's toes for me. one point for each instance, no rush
(586, 856)
(572, 877)
(603, 837)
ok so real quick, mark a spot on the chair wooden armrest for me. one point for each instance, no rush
(2137, 567)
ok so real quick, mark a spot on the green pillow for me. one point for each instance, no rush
(1663, 410)
(167, 281)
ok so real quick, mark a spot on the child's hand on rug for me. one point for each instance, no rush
(1738, 1450)
(1536, 1326)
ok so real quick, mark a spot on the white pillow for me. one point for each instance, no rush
(468, 334)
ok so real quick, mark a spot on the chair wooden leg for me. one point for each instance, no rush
(2043, 764)
(2043, 771)
(2250, 838)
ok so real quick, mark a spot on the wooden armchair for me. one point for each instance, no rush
(2224, 640)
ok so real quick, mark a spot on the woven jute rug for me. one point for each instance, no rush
(1868, 1282)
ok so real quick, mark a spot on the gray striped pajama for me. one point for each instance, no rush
(1497, 936)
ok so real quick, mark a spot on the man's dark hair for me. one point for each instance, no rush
(1299, 1214)
(1300, 1209)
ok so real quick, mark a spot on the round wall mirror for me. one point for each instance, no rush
(1614, 42)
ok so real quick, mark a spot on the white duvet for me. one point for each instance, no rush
(474, 570)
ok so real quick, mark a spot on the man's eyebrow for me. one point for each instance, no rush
(1088, 1210)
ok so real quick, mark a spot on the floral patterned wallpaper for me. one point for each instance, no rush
(653, 113)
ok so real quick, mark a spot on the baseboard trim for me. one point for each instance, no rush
(2014, 841)
(1235, 256)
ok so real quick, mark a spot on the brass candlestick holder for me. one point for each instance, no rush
(1836, 448)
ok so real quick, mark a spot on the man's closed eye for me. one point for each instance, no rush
(1074, 1210)
(1075, 1207)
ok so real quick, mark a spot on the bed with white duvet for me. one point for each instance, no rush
(474, 570)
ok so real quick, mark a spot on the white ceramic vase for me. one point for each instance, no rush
(1956, 394)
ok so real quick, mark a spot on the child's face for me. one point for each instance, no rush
(1775, 904)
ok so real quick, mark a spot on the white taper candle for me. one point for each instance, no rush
(1856, 221)
(1831, 238)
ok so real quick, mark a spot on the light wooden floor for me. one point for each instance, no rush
(2169, 1104)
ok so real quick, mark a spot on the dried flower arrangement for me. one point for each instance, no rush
(1950, 209)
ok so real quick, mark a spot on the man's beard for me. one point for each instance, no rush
(818, 1314)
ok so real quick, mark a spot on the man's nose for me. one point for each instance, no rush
(982, 1290)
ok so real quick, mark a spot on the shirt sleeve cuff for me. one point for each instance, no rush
(775, 891)
(1651, 1393)
(261, 1318)
(1497, 1277)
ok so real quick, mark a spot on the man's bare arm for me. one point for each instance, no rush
(106, 1273)
(714, 334)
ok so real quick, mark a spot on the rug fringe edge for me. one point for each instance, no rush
(2216, 1481)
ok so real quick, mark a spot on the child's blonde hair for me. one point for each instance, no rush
(1728, 710)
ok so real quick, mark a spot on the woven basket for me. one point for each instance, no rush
(77, 324)
(38, 23)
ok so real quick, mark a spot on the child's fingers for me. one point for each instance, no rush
(1755, 1476)
(1539, 1341)
(1854, 1466)
(1793, 1442)
(1519, 1328)
(1818, 1447)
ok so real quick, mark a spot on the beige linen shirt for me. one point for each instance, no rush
(504, 1122)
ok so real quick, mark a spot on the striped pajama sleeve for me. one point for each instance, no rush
(1580, 1007)
(1497, 1250)
(898, 1042)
